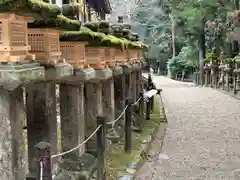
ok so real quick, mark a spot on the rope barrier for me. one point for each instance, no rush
(119, 117)
(112, 123)
(71, 150)
(137, 101)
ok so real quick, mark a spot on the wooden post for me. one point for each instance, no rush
(128, 126)
(223, 80)
(148, 103)
(148, 109)
(101, 148)
(43, 157)
(234, 84)
(151, 99)
(141, 111)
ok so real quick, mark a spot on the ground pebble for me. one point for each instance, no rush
(202, 141)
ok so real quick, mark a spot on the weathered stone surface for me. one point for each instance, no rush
(79, 76)
(85, 74)
(143, 63)
(93, 108)
(72, 119)
(12, 155)
(108, 99)
(41, 119)
(103, 74)
(126, 69)
(136, 67)
(59, 71)
(80, 169)
(13, 75)
(133, 85)
(117, 70)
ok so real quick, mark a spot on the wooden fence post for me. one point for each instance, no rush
(141, 111)
(101, 148)
(128, 126)
(43, 157)
(152, 98)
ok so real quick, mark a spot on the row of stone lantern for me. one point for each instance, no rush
(223, 73)
(35, 59)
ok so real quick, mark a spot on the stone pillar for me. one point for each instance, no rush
(206, 78)
(12, 165)
(94, 108)
(123, 91)
(41, 120)
(138, 82)
(108, 99)
(227, 81)
(128, 85)
(238, 81)
(134, 86)
(72, 119)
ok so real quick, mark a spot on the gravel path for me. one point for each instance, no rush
(202, 141)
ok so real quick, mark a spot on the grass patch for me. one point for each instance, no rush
(118, 160)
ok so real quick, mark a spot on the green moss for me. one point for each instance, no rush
(70, 10)
(98, 37)
(228, 60)
(68, 24)
(211, 56)
(118, 160)
(92, 26)
(82, 35)
(103, 25)
(60, 22)
(30, 8)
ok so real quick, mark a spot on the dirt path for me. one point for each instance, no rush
(202, 141)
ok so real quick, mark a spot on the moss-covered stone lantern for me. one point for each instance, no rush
(236, 74)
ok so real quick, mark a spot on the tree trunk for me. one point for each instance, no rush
(173, 36)
(237, 4)
(202, 50)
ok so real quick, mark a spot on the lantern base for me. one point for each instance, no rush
(126, 69)
(60, 71)
(136, 67)
(15, 74)
(117, 70)
(79, 168)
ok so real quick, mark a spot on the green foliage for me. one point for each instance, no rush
(158, 17)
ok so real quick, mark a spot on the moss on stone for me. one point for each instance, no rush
(82, 35)
(228, 60)
(30, 8)
(104, 24)
(98, 37)
(59, 22)
(70, 10)
(92, 26)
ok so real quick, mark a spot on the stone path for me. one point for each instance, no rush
(202, 141)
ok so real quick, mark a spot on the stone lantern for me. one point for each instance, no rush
(207, 73)
(214, 70)
(221, 72)
(236, 77)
